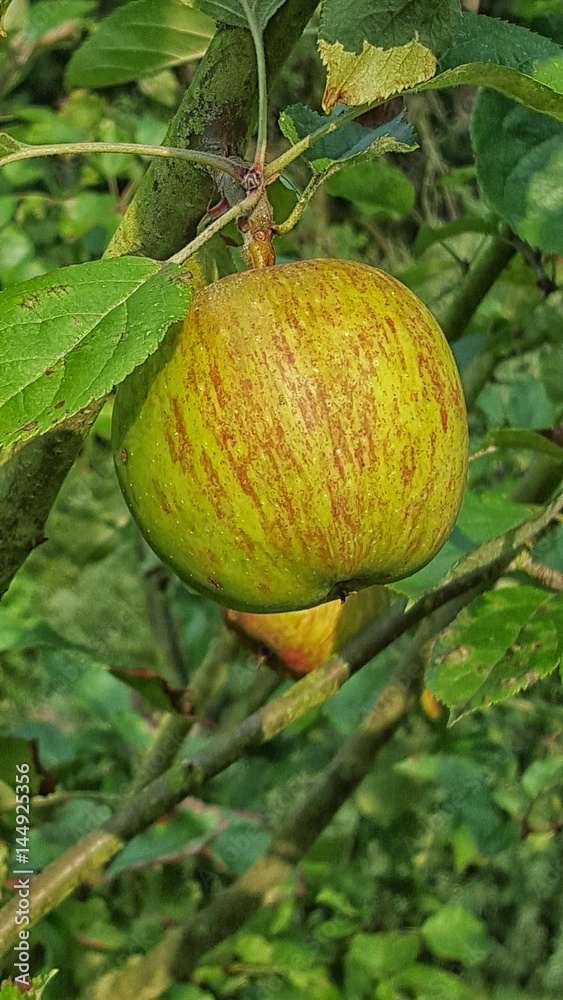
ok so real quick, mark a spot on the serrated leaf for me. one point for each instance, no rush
(485, 39)
(232, 11)
(500, 644)
(67, 337)
(373, 75)
(375, 48)
(138, 40)
(390, 23)
(520, 168)
(349, 140)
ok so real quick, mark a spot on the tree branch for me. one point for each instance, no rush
(475, 572)
(486, 267)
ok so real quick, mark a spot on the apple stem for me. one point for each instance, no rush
(257, 229)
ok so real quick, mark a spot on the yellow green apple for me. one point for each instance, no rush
(302, 435)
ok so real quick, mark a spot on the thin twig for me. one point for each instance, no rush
(211, 160)
(545, 575)
(262, 137)
(482, 451)
(215, 227)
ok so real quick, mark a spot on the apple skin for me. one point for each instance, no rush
(301, 436)
(298, 641)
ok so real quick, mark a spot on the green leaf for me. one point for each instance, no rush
(529, 406)
(69, 336)
(17, 636)
(185, 992)
(517, 86)
(254, 949)
(552, 373)
(345, 142)
(20, 763)
(137, 40)
(374, 187)
(520, 168)
(511, 437)
(335, 928)
(183, 835)
(454, 933)
(483, 39)
(232, 11)
(503, 642)
(9, 991)
(374, 48)
(382, 955)
(543, 774)
(336, 901)
(240, 844)
(469, 800)
(390, 23)
(535, 8)
(88, 209)
(427, 236)
(54, 747)
(8, 203)
(423, 982)
(155, 689)
(44, 17)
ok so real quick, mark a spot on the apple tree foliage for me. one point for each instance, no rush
(432, 138)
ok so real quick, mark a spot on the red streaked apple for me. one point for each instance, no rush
(298, 641)
(301, 436)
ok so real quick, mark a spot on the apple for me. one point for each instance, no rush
(298, 641)
(302, 435)
(432, 707)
